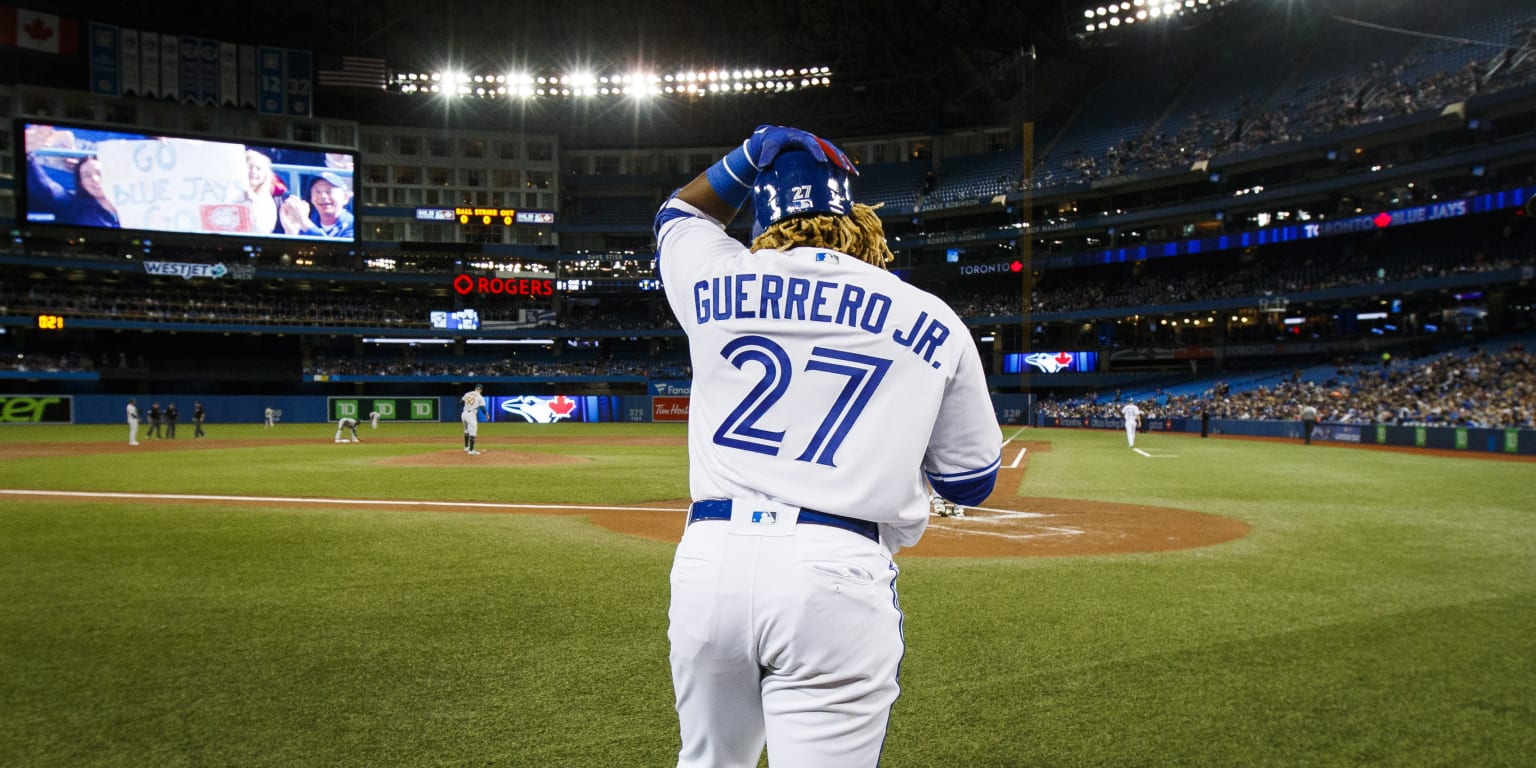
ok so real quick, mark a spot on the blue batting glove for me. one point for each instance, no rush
(732, 177)
(769, 141)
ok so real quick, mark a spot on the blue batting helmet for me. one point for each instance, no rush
(798, 184)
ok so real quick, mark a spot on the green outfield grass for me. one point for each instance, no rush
(1381, 612)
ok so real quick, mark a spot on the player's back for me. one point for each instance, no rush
(818, 379)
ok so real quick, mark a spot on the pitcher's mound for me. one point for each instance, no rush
(487, 458)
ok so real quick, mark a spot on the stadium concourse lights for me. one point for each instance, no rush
(689, 84)
(1098, 19)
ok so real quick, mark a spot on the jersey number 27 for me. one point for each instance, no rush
(740, 430)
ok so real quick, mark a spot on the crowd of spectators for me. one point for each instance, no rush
(1263, 276)
(416, 365)
(1473, 389)
(1384, 90)
(68, 362)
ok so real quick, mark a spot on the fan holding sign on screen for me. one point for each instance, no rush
(86, 203)
(176, 185)
(325, 215)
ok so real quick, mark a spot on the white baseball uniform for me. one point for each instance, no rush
(1132, 416)
(267, 415)
(473, 401)
(825, 391)
(373, 419)
(133, 424)
(345, 423)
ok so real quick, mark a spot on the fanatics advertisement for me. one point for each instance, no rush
(91, 177)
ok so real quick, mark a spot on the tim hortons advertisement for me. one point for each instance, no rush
(669, 409)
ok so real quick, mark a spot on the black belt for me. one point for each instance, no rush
(720, 509)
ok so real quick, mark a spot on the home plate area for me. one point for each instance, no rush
(1067, 527)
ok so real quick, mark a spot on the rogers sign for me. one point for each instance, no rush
(465, 285)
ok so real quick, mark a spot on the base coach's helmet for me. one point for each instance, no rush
(797, 184)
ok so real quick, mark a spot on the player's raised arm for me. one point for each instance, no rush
(720, 191)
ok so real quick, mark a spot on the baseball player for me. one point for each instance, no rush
(826, 392)
(1132, 416)
(267, 415)
(1308, 422)
(198, 415)
(133, 422)
(345, 423)
(373, 419)
(474, 406)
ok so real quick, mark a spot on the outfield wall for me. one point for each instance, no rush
(16, 409)
(667, 402)
(1517, 441)
(1008, 409)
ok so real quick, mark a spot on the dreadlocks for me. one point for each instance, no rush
(859, 235)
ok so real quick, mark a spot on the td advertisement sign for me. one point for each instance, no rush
(388, 408)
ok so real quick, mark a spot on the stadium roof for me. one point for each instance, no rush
(899, 66)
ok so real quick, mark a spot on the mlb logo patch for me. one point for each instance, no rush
(765, 518)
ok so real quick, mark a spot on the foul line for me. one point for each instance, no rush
(1018, 458)
(311, 500)
(1048, 531)
(1156, 455)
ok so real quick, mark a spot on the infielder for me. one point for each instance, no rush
(373, 419)
(1308, 422)
(826, 390)
(474, 405)
(133, 422)
(346, 423)
(1132, 421)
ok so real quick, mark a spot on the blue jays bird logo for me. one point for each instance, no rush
(1050, 362)
(540, 410)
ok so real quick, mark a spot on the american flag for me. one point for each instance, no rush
(350, 72)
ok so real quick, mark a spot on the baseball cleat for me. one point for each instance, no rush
(474, 453)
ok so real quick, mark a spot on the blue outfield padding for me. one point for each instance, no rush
(1472, 440)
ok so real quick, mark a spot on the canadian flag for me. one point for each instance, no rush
(36, 31)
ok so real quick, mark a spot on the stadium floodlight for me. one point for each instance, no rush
(1101, 18)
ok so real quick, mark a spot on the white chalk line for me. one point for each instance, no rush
(314, 500)
(1156, 455)
(1017, 459)
(1046, 531)
(997, 515)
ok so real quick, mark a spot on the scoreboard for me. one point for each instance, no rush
(503, 216)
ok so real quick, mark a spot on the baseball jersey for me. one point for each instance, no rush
(823, 382)
(473, 401)
(1132, 413)
(133, 412)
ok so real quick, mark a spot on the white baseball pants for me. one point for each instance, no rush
(786, 638)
